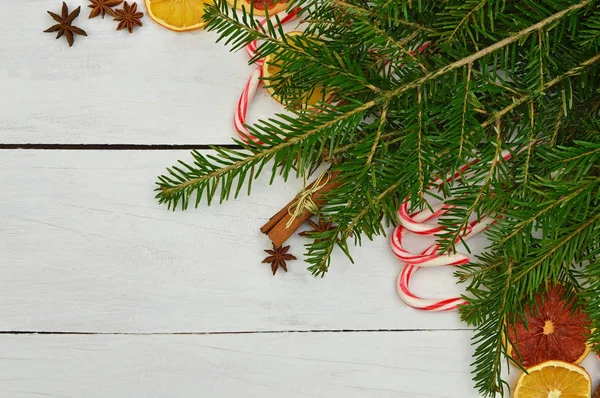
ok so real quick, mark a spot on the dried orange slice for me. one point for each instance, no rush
(177, 15)
(554, 379)
(556, 330)
(260, 6)
(270, 70)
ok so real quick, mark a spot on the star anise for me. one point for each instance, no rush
(103, 7)
(128, 17)
(597, 394)
(278, 257)
(322, 226)
(64, 24)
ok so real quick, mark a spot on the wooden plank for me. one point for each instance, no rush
(85, 247)
(422, 364)
(407, 364)
(151, 87)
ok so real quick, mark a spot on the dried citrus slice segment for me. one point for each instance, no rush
(270, 70)
(554, 379)
(177, 15)
(555, 330)
(260, 6)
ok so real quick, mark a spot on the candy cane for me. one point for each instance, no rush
(241, 111)
(283, 18)
(414, 301)
(425, 304)
(430, 257)
(239, 118)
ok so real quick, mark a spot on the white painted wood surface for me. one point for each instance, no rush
(87, 248)
(292, 365)
(132, 300)
(154, 86)
(379, 364)
(363, 365)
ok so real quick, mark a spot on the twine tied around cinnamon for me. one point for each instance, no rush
(304, 199)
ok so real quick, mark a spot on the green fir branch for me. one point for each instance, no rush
(497, 75)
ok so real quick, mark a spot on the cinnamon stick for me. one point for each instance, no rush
(276, 226)
(265, 229)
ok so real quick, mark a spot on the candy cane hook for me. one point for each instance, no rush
(241, 111)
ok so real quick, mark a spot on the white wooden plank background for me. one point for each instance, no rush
(88, 249)
(255, 365)
(365, 365)
(381, 364)
(154, 86)
(104, 293)
(85, 249)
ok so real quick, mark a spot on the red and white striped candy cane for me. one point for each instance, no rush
(283, 18)
(239, 118)
(420, 227)
(241, 111)
(421, 303)
(430, 257)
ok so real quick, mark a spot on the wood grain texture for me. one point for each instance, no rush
(85, 247)
(291, 365)
(424, 364)
(151, 87)
(421, 364)
(180, 299)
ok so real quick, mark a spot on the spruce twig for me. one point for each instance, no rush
(497, 75)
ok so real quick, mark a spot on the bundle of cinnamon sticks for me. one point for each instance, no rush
(284, 224)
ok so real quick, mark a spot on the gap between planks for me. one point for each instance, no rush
(117, 147)
(4, 332)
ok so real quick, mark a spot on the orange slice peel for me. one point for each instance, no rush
(554, 379)
(177, 15)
